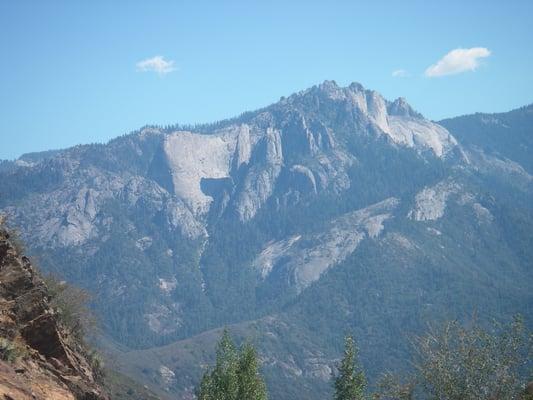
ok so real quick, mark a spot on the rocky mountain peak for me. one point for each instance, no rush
(331, 90)
(356, 87)
(331, 86)
(291, 149)
(400, 107)
(396, 120)
(328, 86)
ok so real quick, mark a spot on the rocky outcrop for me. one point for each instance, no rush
(395, 120)
(430, 203)
(303, 259)
(39, 360)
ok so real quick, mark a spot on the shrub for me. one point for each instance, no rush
(72, 307)
(9, 351)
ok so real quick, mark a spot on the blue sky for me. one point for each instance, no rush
(71, 71)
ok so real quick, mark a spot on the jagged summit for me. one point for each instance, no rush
(331, 87)
(358, 97)
(355, 98)
(234, 167)
(356, 91)
(396, 120)
(402, 108)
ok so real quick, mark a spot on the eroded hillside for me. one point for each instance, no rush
(39, 359)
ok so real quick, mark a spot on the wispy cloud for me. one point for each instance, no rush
(400, 73)
(156, 64)
(457, 61)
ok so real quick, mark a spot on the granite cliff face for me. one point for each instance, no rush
(235, 168)
(39, 359)
(168, 190)
(332, 210)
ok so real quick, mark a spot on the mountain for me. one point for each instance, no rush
(502, 135)
(38, 357)
(331, 211)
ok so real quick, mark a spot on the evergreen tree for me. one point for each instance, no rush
(251, 385)
(224, 375)
(350, 382)
(206, 389)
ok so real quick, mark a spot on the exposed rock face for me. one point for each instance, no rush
(397, 120)
(260, 181)
(45, 363)
(420, 134)
(193, 157)
(243, 161)
(72, 214)
(430, 203)
(284, 210)
(304, 260)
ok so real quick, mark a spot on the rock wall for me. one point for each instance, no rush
(38, 359)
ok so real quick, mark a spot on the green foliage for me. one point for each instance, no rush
(9, 351)
(97, 364)
(235, 375)
(71, 306)
(458, 363)
(206, 389)
(350, 382)
(391, 387)
(251, 385)
(510, 137)
(15, 236)
(121, 387)
(224, 376)
(528, 392)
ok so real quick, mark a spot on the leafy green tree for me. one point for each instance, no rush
(454, 362)
(350, 382)
(392, 387)
(235, 375)
(458, 363)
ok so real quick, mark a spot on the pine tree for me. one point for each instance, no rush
(350, 383)
(224, 375)
(206, 390)
(251, 385)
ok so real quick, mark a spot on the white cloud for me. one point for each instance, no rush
(457, 61)
(156, 64)
(400, 73)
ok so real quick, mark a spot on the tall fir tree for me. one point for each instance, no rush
(224, 376)
(350, 381)
(251, 385)
(206, 390)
